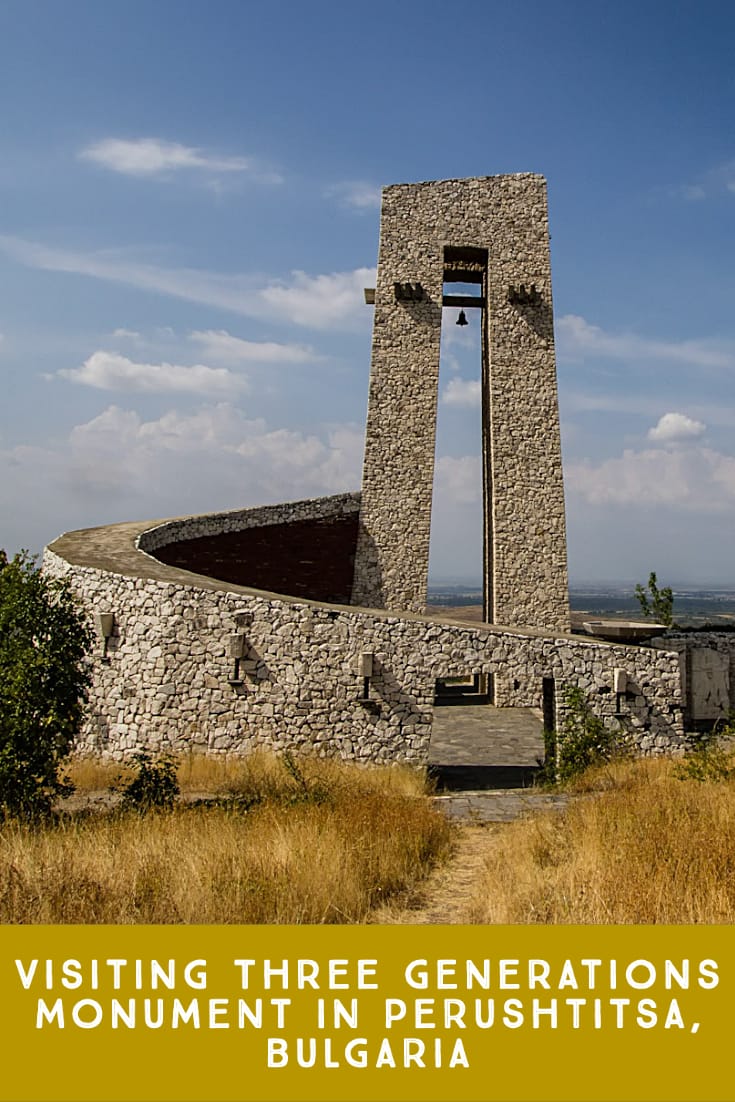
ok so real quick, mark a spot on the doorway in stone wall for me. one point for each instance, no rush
(476, 746)
(466, 688)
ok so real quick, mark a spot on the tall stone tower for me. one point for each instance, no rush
(491, 233)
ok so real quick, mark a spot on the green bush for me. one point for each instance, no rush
(44, 681)
(155, 785)
(581, 740)
(709, 761)
(706, 763)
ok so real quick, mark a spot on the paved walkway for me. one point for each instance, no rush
(484, 760)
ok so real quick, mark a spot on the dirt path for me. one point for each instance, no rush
(444, 897)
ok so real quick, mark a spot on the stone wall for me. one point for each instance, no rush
(166, 680)
(311, 557)
(179, 529)
(505, 217)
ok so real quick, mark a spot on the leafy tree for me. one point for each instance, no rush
(44, 682)
(655, 602)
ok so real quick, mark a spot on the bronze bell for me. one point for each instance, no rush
(462, 319)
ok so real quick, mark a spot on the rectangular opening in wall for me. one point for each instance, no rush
(548, 705)
(459, 558)
(465, 688)
(465, 264)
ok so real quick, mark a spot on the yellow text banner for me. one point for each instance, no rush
(405, 1012)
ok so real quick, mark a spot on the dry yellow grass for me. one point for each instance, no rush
(89, 773)
(263, 773)
(646, 847)
(325, 845)
(260, 773)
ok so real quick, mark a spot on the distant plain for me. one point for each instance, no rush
(693, 607)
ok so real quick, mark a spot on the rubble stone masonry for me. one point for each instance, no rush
(503, 218)
(167, 678)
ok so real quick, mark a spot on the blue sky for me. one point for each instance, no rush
(189, 206)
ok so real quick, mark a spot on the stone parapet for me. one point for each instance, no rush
(237, 520)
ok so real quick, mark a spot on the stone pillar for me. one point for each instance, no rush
(504, 218)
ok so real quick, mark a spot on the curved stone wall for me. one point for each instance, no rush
(306, 549)
(166, 676)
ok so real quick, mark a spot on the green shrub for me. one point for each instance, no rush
(582, 740)
(706, 763)
(709, 761)
(155, 785)
(44, 681)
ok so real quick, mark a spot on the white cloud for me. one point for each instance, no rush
(218, 344)
(119, 465)
(675, 426)
(693, 479)
(576, 401)
(462, 392)
(154, 157)
(357, 194)
(459, 479)
(217, 446)
(209, 288)
(126, 334)
(111, 371)
(640, 405)
(319, 302)
(577, 337)
(711, 183)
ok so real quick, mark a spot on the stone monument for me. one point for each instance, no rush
(490, 234)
